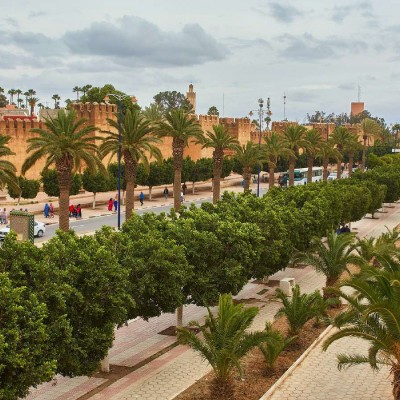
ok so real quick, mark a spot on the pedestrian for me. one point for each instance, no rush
(46, 210)
(115, 204)
(182, 197)
(78, 211)
(71, 210)
(4, 216)
(110, 204)
(51, 210)
(166, 192)
(184, 187)
(141, 198)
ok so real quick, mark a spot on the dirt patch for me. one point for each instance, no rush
(257, 377)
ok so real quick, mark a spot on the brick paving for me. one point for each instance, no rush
(166, 376)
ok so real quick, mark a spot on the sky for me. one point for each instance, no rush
(320, 54)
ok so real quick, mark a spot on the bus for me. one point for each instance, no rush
(300, 175)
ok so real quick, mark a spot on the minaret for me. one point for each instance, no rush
(191, 96)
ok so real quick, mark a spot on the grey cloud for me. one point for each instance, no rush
(346, 86)
(363, 8)
(309, 48)
(11, 21)
(240, 43)
(35, 14)
(137, 42)
(284, 13)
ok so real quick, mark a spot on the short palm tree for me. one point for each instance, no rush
(248, 156)
(65, 142)
(56, 98)
(153, 113)
(373, 315)
(219, 140)
(312, 144)
(370, 129)
(340, 138)
(182, 127)
(351, 147)
(77, 90)
(7, 169)
(32, 103)
(326, 152)
(293, 139)
(226, 339)
(274, 149)
(330, 258)
(137, 145)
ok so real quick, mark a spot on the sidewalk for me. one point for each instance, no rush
(178, 367)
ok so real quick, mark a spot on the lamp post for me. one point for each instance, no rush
(119, 98)
(261, 112)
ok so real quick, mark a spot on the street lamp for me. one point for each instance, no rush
(119, 98)
(261, 112)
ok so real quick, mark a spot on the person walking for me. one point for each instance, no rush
(115, 204)
(46, 210)
(4, 216)
(71, 210)
(110, 204)
(78, 211)
(166, 193)
(182, 197)
(184, 187)
(51, 209)
(141, 198)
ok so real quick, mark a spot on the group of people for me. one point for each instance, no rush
(75, 212)
(113, 203)
(343, 229)
(48, 210)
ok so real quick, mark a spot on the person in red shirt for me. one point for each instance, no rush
(110, 204)
(71, 210)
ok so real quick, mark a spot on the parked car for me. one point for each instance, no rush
(39, 228)
(332, 176)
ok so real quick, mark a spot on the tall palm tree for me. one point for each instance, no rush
(325, 153)
(85, 89)
(137, 145)
(11, 92)
(340, 137)
(77, 90)
(20, 101)
(26, 94)
(312, 143)
(18, 92)
(219, 140)
(373, 315)
(32, 103)
(370, 129)
(225, 339)
(56, 98)
(181, 126)
(7, 169)
(65, 142)
(330, 258)
(274, 149)
(351, 147)
(249, 156)
(293, 139)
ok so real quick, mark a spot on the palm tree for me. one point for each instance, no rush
(85, 89)
(293, 139)
(226, 339)
(20, 101)
(1, 90)
(312, 143)
(274, 149)
(330, 258)
(137, 144)
(370, 129)
(18, 92)
(26, 94)
(153, 113)
(56, 97)
(179, 125)
(7, 169)
(65, 142)
(77, 90)
(351, 147)
(373, 315)
(326, 152)
(219, 140)
(32, 103)
(11, 92)
(340, 138)
(249, 156)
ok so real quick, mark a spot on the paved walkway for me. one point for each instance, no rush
(167, 375)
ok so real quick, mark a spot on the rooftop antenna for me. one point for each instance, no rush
(359, 93)
(284, 106)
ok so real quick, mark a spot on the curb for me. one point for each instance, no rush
(292, 368)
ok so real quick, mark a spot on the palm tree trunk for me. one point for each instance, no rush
(364, 152)
(177, 154)
(339, 168)
(351, 161)
(247, 178)
(130, 177)
(310, 162)
(325, 162)
(271, 178)
(217, 171)
(292, 163)
(64, 181)
(396, 382)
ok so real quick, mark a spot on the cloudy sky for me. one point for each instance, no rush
(315, 52)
